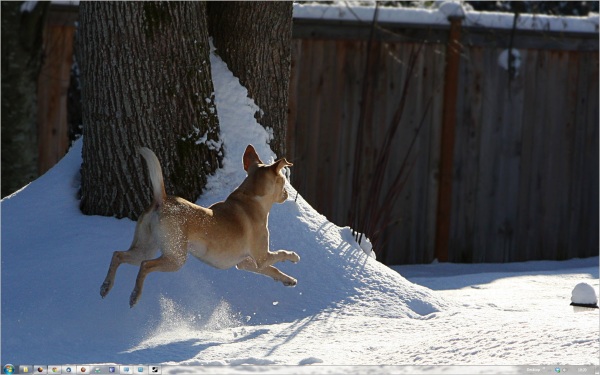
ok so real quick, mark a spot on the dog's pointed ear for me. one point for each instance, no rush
(250, 157)
(280, 164)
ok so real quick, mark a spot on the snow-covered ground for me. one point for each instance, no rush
(347, 309)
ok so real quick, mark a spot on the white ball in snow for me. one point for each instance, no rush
(584, 294)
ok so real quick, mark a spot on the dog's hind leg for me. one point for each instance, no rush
(162, 264)
(115, 262)
(249, 264)
(135, 255)
(143, 246)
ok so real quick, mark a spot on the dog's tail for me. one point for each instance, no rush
(156, 176)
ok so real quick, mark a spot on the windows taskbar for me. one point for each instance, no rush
(84, 369)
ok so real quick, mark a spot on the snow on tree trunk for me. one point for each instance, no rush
(21, 61)
(146, 81)
(254, 39)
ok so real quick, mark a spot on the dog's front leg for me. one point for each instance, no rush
(163, 264)
(268, 270)
(272, 257)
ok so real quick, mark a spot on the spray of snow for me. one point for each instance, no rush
(177, 323)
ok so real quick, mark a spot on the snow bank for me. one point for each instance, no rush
(439, 16)
(54, 260)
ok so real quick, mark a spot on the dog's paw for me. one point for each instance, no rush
(134, 298)
(104, 289)
(294, 258)
(290, 282)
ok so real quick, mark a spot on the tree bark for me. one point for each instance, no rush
(254, 39)
(21, 62)
(146, 81)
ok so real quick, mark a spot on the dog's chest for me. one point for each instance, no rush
(197, 249)
(214, 257)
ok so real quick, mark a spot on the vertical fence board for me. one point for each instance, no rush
(505, 218)
(525, 218)
(589, 243)
(394, 236)
(345, 55)
(324, 141)
(539, 151)
(484, 238)
(584, 179)
(316, 113)
(420, 174)
(466, 158)
(571, 181)
(437, 56)
(557, 162)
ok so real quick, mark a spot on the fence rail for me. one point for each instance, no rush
(525, 161)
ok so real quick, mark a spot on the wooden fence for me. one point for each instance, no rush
(525, 163)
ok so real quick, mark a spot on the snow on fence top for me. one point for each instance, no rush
(439, 16)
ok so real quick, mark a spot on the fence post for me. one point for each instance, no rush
(444, 206)
(53, 85)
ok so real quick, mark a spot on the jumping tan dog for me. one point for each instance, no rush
(227, 234)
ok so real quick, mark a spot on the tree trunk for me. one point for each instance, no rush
(146, 81)
(254, 39)
(21, 61)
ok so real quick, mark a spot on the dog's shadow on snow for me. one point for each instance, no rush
(179, 345)
(168, 351)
